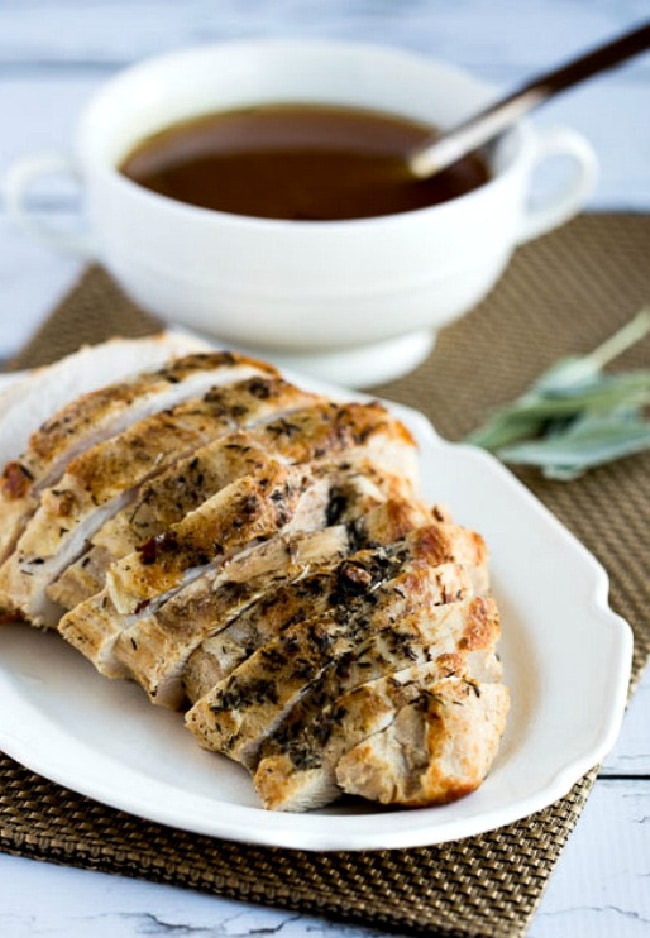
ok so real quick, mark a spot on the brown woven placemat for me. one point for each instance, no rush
(565, 292)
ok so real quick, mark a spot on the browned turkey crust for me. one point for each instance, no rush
(101, 414)
(311, 434)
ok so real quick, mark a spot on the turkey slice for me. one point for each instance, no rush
(93, 628)
(444, 547)
(297, 768)
(102, 414)
(400, 619)
(105, 479)
(363, 432)
(33, 398)
(437, 749)
(156, 649)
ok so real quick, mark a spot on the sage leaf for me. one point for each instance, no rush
(597, 442)
(574, 416)
(527, 417)
(578, 369)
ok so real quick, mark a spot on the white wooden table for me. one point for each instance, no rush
(53, 55)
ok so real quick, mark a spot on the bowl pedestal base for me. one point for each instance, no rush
(359, 367)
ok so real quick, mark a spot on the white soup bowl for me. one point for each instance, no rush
(352, 301)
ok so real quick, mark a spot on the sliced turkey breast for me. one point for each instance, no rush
(222, 537)
(402, 623)
(33, 398)
(297, 768)
(161, 502)
(248, 511)
(161, 649)
(343, 584)
(159, 638)
(311, 434)
(155, 634)
(102, 414)
(106, 478)
(437, 749)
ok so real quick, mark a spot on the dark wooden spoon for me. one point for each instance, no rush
(487, 124)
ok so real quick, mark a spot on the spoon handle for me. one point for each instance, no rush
(485, 125)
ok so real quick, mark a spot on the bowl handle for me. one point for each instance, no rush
(19, 178)
(567, 202)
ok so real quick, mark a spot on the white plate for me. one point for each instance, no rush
(566, 656)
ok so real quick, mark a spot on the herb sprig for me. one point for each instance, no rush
(574, 416)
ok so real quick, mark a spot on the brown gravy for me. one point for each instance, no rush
(301, 162)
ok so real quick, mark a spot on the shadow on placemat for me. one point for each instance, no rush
(564, 293)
